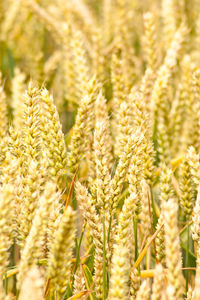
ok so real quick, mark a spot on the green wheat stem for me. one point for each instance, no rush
(187, 255)
(78, 247)
(109, 229)
(135, 222)
(104, 259)
(6, 284)
(155, 219)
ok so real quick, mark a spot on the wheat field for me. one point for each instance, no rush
(100, 149)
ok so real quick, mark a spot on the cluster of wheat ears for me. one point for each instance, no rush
(100, 149)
